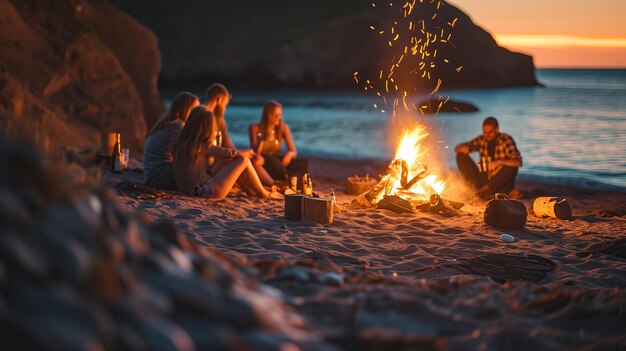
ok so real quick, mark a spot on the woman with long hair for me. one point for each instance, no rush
(157, 151)
(192, 149)
(266, 139)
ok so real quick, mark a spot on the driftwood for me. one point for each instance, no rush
(318, 209)
(504, 213)
(396, 204)
(503, 267)
(293, 206)
(615, 247)
(358, 185)
(555, 207)
(434, 205)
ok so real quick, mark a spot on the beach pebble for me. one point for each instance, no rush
(507, 238)
(331, 278)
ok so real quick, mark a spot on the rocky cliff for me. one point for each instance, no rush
(76, 68)
(284, 43)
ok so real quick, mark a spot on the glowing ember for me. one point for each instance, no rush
(413, 35)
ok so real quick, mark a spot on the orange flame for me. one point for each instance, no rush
(411, 150)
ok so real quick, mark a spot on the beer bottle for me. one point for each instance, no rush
(219, 138)
(308, 190)
(305, 181)
(116, 156)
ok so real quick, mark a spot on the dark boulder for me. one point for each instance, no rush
(73, 69)
(439, 104)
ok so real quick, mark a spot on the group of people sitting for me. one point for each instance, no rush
(189, 149)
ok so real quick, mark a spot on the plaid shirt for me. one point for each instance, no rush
(505, 149)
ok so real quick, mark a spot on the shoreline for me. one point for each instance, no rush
(347, 167)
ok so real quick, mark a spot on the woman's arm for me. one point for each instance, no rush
(291, 146)
(226, 141)
(253, 129)
(256, 144)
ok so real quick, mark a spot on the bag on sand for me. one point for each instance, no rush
(504, 213)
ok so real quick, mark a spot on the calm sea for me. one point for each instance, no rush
(571, 131)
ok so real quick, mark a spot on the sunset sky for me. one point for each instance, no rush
(557, 33)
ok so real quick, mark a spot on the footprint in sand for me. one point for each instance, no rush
(190, 213)
(409, 249)
(449, 231)
(146, 204)
(234, 242)
(478, 243)
(415, 239)
(172, 204)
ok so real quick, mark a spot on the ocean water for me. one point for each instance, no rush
(573, 130)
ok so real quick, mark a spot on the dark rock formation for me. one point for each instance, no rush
(439, 104)
(73, 69)
(284, 43)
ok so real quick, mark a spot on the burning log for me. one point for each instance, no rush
(404, 175)
(396, 204)
(386, 183)
(416, 179)
(435, 204)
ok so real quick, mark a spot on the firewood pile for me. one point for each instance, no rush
(403, 200)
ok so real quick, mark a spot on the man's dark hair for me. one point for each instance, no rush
(491, 121)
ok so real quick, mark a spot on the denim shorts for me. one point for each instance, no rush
(205, 189)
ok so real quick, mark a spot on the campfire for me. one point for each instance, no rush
(408, 184)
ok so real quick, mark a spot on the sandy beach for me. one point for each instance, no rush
(375, 279)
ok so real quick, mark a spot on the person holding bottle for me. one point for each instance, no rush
(217, 99)
(499, 161)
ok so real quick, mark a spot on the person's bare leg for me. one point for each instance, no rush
(239, 170)
(230, 171)
(265, 177)
(257, 162)
(250, 179)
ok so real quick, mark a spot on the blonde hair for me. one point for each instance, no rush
(180, 109)
(268, 108)
(197, 132)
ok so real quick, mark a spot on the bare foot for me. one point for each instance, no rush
(275, 195)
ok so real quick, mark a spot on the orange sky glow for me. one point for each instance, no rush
(557, 33)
